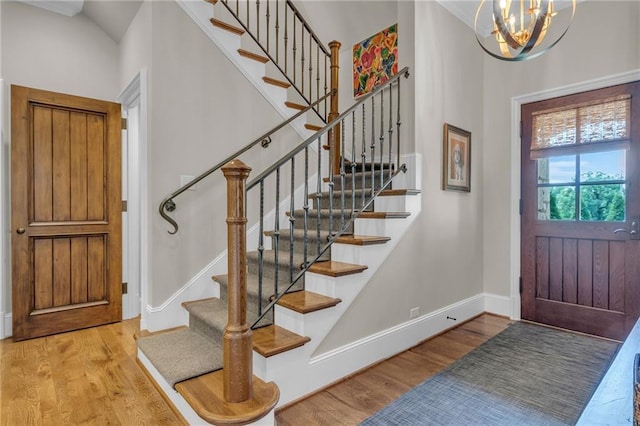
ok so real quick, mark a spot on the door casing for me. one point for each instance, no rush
(514, 204)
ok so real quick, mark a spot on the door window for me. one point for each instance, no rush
(580, 153)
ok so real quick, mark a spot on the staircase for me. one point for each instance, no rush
(187, 355)
(293, 287)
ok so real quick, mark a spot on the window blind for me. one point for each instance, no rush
(606, 120)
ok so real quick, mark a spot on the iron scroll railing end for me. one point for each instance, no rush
(168, 205)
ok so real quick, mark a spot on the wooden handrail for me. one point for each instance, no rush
(236, 340)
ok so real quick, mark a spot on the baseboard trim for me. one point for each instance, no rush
(336, 364)
(499, 305)
(6, 325)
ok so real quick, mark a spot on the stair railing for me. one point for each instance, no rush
(287, 39)
(168, 205)
(372, 129)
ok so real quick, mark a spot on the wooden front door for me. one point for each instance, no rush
(581, 211)
(66, 212)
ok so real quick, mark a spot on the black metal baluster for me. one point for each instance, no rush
(258, 19)
(390, 130)
(353, 162)
(363, 153)
(302, 56)
(276, 232)
(292, 219)
(286, 39)
(277, 32)
(319, 193)
(399, 122)
(306, 206)
(373, 145)
(295, 48)
(343, 175)
(381, 138)
(261, 249)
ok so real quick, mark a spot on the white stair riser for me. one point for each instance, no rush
(382, 227)
(395, 203)
(358, 255)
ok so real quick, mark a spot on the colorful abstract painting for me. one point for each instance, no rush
(375, 60)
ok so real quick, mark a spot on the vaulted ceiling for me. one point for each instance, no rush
(113, 16)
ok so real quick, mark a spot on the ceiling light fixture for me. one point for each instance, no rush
(522, 28)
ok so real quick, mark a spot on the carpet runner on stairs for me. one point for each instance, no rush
(183, 354)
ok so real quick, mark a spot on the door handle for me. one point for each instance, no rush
(20, 230)
(633, 232)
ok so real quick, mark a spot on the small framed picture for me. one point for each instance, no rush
(456, 154)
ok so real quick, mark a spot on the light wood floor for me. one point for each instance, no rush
(92, 377)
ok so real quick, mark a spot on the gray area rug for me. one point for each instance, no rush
(526, 375)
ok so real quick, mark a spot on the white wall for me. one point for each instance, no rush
(203, 110)
(603, 40)
(49, 51)
(439, 262)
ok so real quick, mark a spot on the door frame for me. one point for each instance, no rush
(514, 226)
(5, 170)
(135, 95)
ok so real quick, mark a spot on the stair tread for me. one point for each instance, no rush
(367, 174)
(313, 127)
(205, 394)
(273, 340)
(254, 56)
(336, 269)
(227, 27)
(383, 215)
(168, 352)
(294, 105)
(361, 240)
(276, 82)
(283, 258)
(305, 302)
(358, 192)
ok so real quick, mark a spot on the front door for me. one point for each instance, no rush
(581, 211)
(66, 212)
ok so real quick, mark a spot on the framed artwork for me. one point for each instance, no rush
(375, 60)
(456, 155)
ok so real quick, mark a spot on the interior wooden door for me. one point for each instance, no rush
(581, 211)
(66, 212)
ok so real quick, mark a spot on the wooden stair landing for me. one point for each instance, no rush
(205, 394)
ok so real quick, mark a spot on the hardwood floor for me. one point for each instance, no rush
(92, 377)
(351, 401)
(83, 377)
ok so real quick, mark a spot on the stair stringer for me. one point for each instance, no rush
(201, 12)
(289, 368)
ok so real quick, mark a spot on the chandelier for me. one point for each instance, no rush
(522, 28)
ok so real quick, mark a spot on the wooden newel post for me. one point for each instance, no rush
(334, 135)
(236, 340)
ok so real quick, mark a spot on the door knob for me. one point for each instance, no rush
(20, 230)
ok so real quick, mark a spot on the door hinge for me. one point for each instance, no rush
(124, 123)
(124, 206)
(520, 286)
(125, 288)
(520, 129)
(521, 206)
